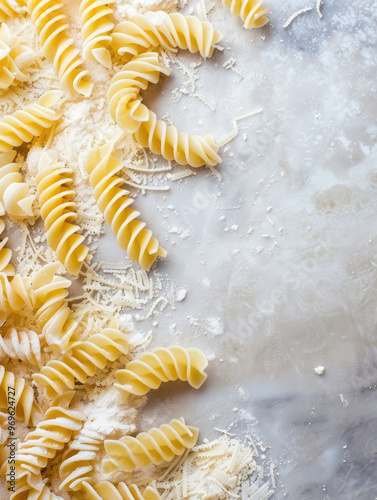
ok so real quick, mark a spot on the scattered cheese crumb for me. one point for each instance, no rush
(181, 295)
(295, 15)
(320, 370)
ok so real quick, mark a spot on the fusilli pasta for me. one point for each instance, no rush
(83, 360)
(106, 491)
(51, 25)
(6, 267)
(24, 345)
(14, 58)
(124, 91)
(14, 294)
(170, 31)
(161, 365)
(25, 492)
(10, 8)
(16, 199)
(152, 447)
(114, 202)
(96, 29)
(59, 211)
(26, 407)
(52, 311)
(252, 12)
(24, 124)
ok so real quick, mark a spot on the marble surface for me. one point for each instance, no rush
(279, 256)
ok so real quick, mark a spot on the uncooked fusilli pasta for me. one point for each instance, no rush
(96, 29)
(59, 211)
(14, 294)
(25, 492)
(16, 199)
(83, 361)
(51, 25)
(161, 365)
(24, 124)
(170, 31)
(52, 311)
(14, 58)
(152, 447)
(252, 12)
(6, 267)
(124, 91)
(23, 344)
(10, 8)
(106, 491)
(26, 407)
(114, 202)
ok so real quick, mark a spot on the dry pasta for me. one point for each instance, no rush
(114, 202)
(105, 490)
(10, 8)
(14, 294)
(252, 12)
(59, 211)
(6, 267)
(152, 447)
(23, 344)
(161, 365)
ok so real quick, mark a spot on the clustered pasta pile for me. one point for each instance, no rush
(41, 297)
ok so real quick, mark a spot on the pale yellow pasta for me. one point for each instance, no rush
(21, 344)
(53, 314)
(14, 294)
(96, 29)
(152, 447)
(10, 8)
(162, 365)
(51, 25)
(252, 12)
(6, 267)
(16, 198)
(59, 211)
(124, 91)
(25, 492)
(26, 408)
(24, 124)
(14, 58)
(114, 202)
(170, 31)
(105, 490)
(77, 461)
(83, 360)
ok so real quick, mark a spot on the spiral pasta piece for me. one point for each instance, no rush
(24, 345)
(77, 460)
(59, 212)
(185, 149)
(50, 436)
(25, 492)
(15, 197)
(114, 202)
(152, 447)
(105, 490)
(252, 12)
(14, 58)
(162, 365)
(24, 124)
(6, 267)
(14, 294)
(25, 405)
(51, 25)
(123, 95)
(170, 31)
(83, 360)
(10, 8)
(52, 311)
(96, 29)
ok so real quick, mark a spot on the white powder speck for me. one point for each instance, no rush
(320, 370)
(181, 295)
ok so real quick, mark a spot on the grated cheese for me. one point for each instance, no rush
(233, 134)
(290, 20)
(318, 8)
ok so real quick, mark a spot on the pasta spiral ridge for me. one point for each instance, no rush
(25, 492)
(96, 29)
(114, 202)
(25, 405)
(185, 149)
(83, 360)
(252, 12)
(170, 31)
(106, 490)
(52, 311)
(15, 197)
(23, 344)
(123, 95)
(6, 267)
(14, 57)
(59, 212)
(151, 369)
(14, 294)
(10, 8)
(152, 447)
(24, 124)
(51, 25)
(50, 436)
(77, 460)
